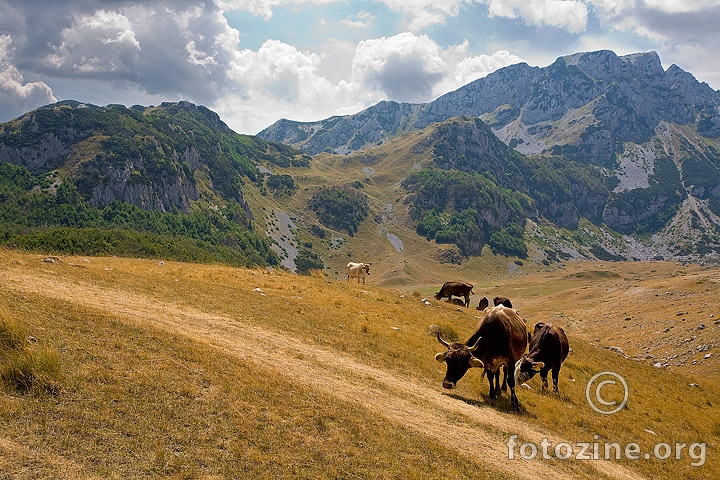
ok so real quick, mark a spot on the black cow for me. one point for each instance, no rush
(458, 289)
(502, 301)
(500, 339)
(483, 303)
(548, 349)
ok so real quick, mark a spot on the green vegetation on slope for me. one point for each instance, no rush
(340, 208)
(64, 223)
(464, 208)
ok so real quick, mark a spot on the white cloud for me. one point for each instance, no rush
(472, 68)
(680, 6)
(424, 13)
(85, 46)
(279, 79)
(568, 14)
(102, 42)
(363, 19)
(264, 8)
(16, 95)
(406, 67)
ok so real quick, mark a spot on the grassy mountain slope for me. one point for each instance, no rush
(387, 237)
(192, 371)
(167, 179)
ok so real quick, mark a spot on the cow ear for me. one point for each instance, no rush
(476, 363)
(537, 366)
(440, 357)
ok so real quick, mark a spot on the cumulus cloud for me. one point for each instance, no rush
(472, 68)
(16, 95)
(406, 67)
(279, 79)
(567, 14)
(102, 42)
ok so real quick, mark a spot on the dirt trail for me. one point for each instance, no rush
(472, 431)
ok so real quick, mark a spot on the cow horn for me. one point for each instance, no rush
(477, 344)
(447, 344)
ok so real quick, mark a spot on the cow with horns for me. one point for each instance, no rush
(499, 341)
(548, 350)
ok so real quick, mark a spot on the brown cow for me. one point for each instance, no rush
(502, 301)
(459, 289)
(483, 303)
(548, 349)
(500, 340)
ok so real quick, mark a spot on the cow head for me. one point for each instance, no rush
(525, 369)
(459, 359)
(366, 268)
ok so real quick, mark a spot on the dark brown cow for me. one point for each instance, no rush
(483, 304)
(502, 301)
(500, 339)
(458, 289)
(548, 349)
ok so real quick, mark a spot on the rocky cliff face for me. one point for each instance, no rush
(343, 134)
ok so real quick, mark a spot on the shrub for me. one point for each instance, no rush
(340, 208)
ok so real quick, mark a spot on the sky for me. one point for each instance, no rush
(257, 61)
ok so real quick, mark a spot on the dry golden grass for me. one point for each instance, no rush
(196, 371)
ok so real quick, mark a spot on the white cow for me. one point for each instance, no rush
(358, 270)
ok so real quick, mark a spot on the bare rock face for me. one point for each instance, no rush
(163, 194)
(586, 105)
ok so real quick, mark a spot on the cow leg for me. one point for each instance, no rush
(492, 380)
(555, 377)
(505, 377)
(514, 403)
(467, 301)
(543, 376)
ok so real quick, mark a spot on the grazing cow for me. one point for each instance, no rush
(500, 339)
(483, 303)
(502, 300)
(459, 289)
(548, 349)
(358, 270)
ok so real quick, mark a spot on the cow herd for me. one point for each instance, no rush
(500, 343)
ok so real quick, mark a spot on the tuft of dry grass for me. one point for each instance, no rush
(26, 366)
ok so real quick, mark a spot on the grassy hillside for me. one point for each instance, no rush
(171, 370)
